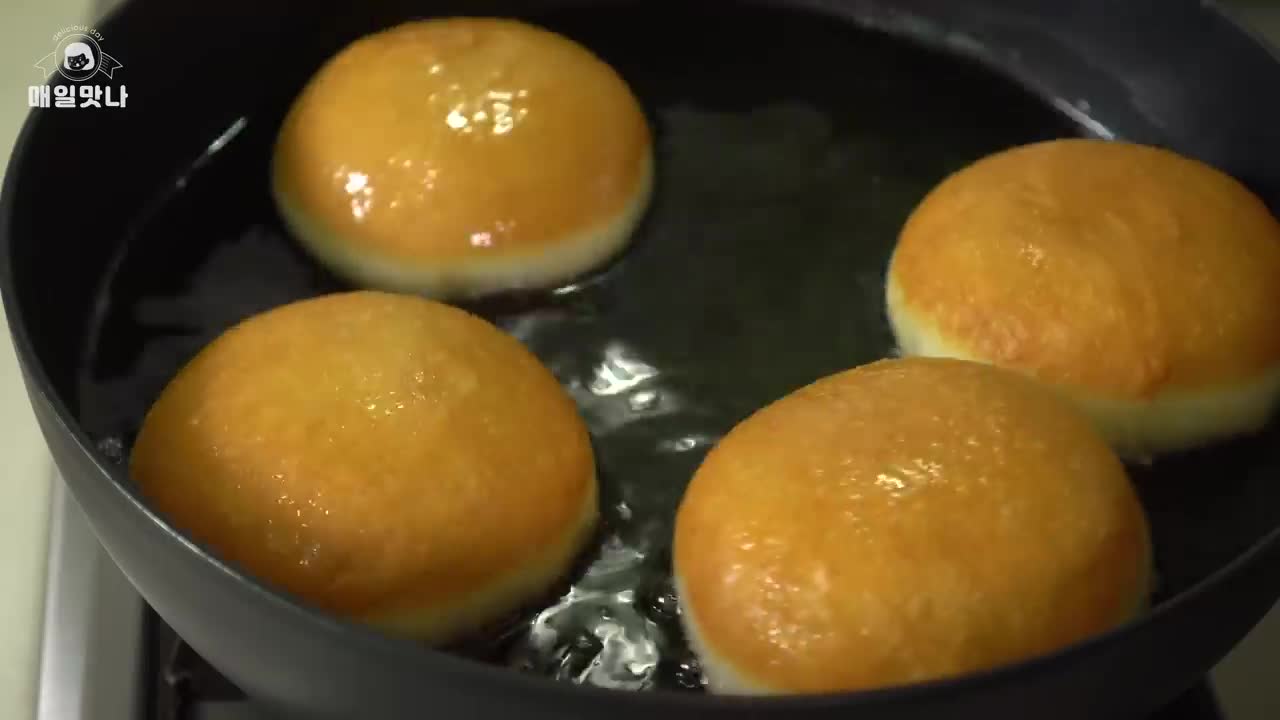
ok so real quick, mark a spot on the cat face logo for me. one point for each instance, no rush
(77, 58)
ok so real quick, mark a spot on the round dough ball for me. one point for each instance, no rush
(1143, 285)
(463, 156)
(386, 458)
(904, 521)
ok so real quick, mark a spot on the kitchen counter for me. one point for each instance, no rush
(1246, 680)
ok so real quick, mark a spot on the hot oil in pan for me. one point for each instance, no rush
(786, 160)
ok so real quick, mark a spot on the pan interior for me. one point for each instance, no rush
(786, 161)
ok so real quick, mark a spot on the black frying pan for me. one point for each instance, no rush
(794, 138)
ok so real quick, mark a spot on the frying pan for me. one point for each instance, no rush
(793, 137)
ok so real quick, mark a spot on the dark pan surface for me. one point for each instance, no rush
(790, 150)
(759, 269)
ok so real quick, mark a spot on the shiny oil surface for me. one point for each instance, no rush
(786, 162)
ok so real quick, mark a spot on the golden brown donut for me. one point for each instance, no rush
(1143, 285)
(904, 521)
(386, 458)
(460, 156)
